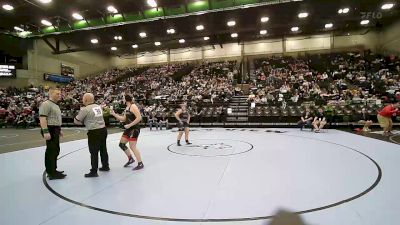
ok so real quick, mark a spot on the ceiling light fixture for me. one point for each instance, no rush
(206, 38)
(142, 34)
(231, 23)
(8, 7)
(157, 43)
(264, 19)
(343, 10)
(152, 3)
(114, 48)
(45, 1)
(112, 9)
(171, 31)
(303, 15)
(263, 32)
(199, 27)
(19, 29)
(294, 29)
(94, 41)
(182, 41)
(387, 6)
(328, 25)
(46, 23)
(364, 22)
(77, 16)
(234, 35)
(135, 46)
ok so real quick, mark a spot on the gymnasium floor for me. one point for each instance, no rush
(228, 176)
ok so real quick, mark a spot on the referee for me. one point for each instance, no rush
(50, 122)
(92, 117)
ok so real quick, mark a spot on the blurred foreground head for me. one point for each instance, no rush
(284, 217)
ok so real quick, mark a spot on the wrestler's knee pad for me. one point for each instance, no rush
(123, 146)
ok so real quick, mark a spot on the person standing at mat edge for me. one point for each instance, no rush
(131, 118)
(92, 117)
(183, 117)
(50, 122)
(385, 117)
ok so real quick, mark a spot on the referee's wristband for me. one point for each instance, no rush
(45, 130)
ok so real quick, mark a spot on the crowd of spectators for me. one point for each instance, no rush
(155, 89)
(326, 79)
(330, 78)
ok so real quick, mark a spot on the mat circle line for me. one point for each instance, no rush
(376, 182)
(179, 153)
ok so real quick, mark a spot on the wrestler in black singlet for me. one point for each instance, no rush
(132, 133)
(184, 117)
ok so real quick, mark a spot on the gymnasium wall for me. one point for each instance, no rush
(123, 61)
(390, 39)
(288, 46)
(367, 41)
(263, 47)
(185, 54)
(40, 60)
(152, 58)
(85, 63)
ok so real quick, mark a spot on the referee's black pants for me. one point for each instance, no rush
(52, 150)
(97, 141)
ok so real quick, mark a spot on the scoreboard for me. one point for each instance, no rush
(8, 71)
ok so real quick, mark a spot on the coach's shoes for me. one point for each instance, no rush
(57, 176)
(178, 143)
(104, 169)
(58, 172)
(130, 161)
(188, 143)
(91, 174)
